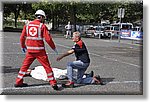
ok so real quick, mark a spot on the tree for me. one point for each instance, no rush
(77, 12)
(27, 10)
(51, 10)
(15, 8)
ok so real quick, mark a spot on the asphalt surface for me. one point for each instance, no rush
(118, 64)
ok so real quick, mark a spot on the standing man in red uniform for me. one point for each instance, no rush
(32, 40)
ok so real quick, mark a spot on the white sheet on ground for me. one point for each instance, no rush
(40, 73)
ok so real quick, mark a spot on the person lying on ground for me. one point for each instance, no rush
(40, 74)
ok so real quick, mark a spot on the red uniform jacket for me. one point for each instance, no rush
(32, 37)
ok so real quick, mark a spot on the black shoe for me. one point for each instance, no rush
(91, 74)
(99, 79)
(55, 87)
(21, 85)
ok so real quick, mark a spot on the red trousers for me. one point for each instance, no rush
(43, 59)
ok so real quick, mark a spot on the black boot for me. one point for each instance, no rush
(21, 85)
(91, 74)
(99, 79)
(55, 87)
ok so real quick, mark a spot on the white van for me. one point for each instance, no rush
(110, 31)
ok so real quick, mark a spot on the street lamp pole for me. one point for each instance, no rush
(1, 16)
(119, 29)
(120, 15)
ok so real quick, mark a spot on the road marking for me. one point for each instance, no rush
(19, 88)
(124, 82)
(16, 43)
(21, 53)
(63, 46)
(112, 59)
(48, 86)
(136, 44)
(115, 60)
(105, 57)
(115, 52)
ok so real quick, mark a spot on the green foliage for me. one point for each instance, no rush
(78, 12)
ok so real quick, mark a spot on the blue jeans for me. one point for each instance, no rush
(81, 68)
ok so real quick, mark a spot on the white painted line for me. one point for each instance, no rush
(109, 41)
(112, 59)
(12, 53)
(20, 88)
(115, 52)
(105, 57)
(48, 86)
(63, 46)
(16, 43)
(125, 82)
(20, 53)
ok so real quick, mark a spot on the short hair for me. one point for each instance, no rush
(39, 16)
(77, 34)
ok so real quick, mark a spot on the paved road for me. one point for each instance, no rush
(119, 65)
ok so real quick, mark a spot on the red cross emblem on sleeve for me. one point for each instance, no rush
(33, 31)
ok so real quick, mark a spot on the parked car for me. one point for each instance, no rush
(90, 31)
(110, 31)
(95, 31)
(99, 32)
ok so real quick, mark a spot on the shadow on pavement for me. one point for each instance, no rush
(9, 69)
(107, 80)
(104, 80)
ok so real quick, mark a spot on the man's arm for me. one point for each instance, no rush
(23, 38)
(48, 37)
(65, 54)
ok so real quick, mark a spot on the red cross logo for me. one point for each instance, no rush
(33, 31)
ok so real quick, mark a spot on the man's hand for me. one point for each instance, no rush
(59, 58)
(24, 50)
(65, 54)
